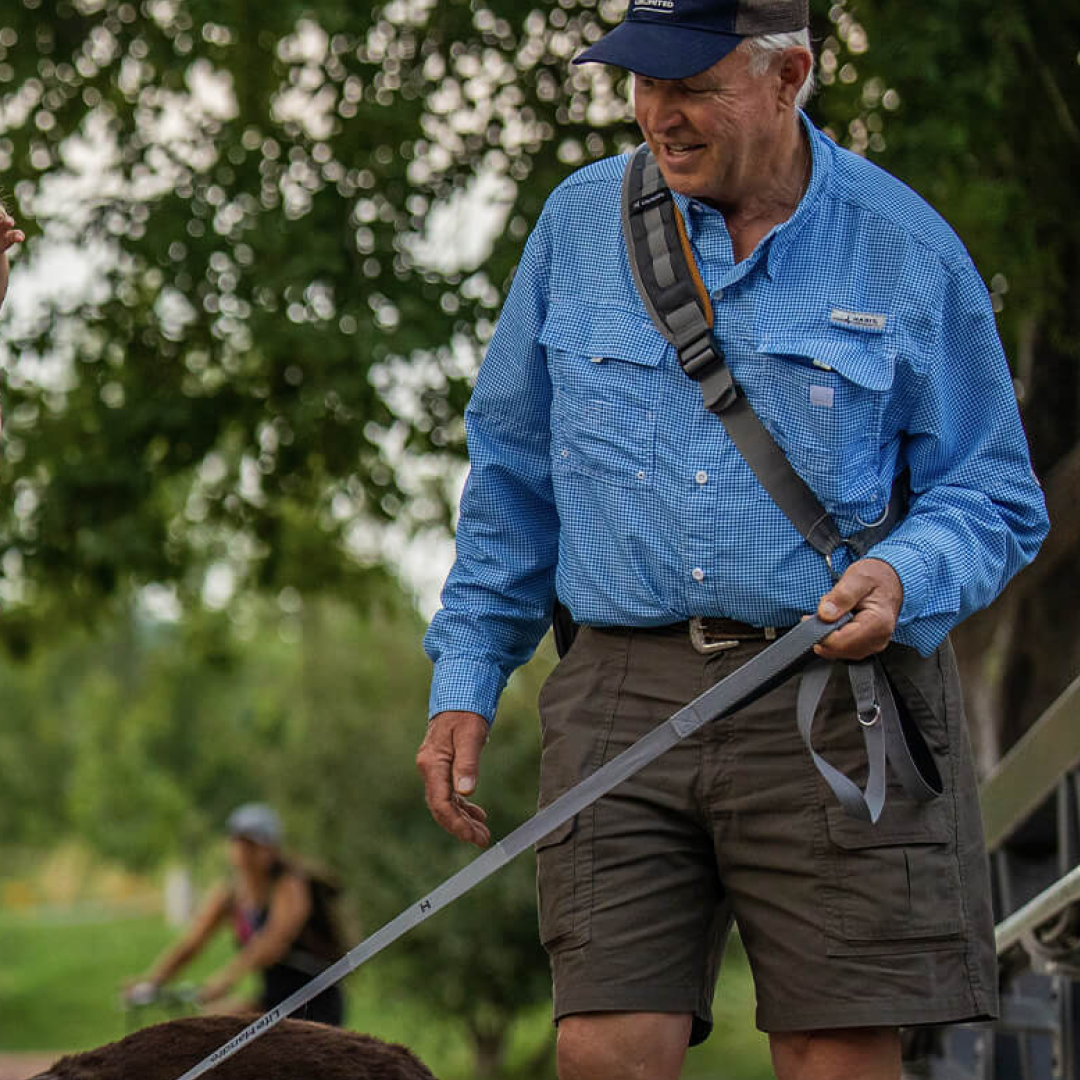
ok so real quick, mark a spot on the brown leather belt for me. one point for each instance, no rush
(710, 634)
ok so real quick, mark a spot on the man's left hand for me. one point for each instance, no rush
(871, 589)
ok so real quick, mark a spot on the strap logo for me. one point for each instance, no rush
(858, 320)
(647, 202)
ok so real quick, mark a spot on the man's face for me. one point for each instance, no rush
(714, 133)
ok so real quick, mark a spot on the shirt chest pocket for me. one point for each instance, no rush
(605, 374)
(824, 400)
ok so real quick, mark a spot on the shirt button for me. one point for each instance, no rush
(697, 574)
(718, 294)
(641, 475)
(566, 453)
(702, 477)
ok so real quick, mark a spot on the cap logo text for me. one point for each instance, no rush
(665, 7)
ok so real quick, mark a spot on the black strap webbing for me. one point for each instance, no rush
(671, 287)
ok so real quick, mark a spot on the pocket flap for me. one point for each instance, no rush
(557, 835)
(867, 362)
(901, 823)
(600, 333)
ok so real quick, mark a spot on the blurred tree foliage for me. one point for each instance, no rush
(276, 327)
(294, 295)
(144, 737)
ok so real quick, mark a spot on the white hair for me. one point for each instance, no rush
(763, 47)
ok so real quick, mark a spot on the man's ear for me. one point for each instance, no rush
(794, 67)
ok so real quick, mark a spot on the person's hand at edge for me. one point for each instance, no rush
(10, 233)
(449, 762)
(872, 590)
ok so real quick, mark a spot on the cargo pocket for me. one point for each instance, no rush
(895, 885)
(564, 918)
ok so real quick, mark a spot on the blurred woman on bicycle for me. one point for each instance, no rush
(281, 915)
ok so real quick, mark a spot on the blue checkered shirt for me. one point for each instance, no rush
(865, 341)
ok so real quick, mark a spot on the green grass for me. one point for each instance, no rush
(60, 977)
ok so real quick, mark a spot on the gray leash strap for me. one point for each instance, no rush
(866, 805)
(884, 738)
(765, 671)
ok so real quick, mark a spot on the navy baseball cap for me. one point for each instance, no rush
(674, 39)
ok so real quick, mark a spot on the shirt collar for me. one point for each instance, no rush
(785, 234)
(774, 246)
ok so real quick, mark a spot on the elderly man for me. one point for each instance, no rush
(862, 338)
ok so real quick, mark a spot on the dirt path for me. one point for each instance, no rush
(20, 1066)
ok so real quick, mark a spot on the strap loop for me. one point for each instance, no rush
(718, 389)
(885, 737)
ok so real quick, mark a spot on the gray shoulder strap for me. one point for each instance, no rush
(678, 303)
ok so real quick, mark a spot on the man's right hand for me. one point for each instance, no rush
(449, 762)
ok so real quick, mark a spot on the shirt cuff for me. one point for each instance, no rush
(911, 568)
(466, 684)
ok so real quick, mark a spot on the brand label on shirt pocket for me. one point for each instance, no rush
(859, 320)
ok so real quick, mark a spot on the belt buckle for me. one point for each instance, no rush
(700, 640)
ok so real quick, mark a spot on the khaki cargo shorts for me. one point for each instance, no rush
(845, 924)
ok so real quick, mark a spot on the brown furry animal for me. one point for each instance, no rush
(293, 1050)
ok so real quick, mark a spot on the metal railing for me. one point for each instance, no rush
(1031, 817)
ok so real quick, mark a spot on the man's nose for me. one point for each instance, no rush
(665, 111)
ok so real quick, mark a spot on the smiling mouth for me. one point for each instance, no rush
(681, 149)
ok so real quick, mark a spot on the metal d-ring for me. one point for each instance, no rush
(875, 716)
(874, 524)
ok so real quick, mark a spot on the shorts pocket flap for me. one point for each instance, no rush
(901, 823)
(894, 884)
(557, 835)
